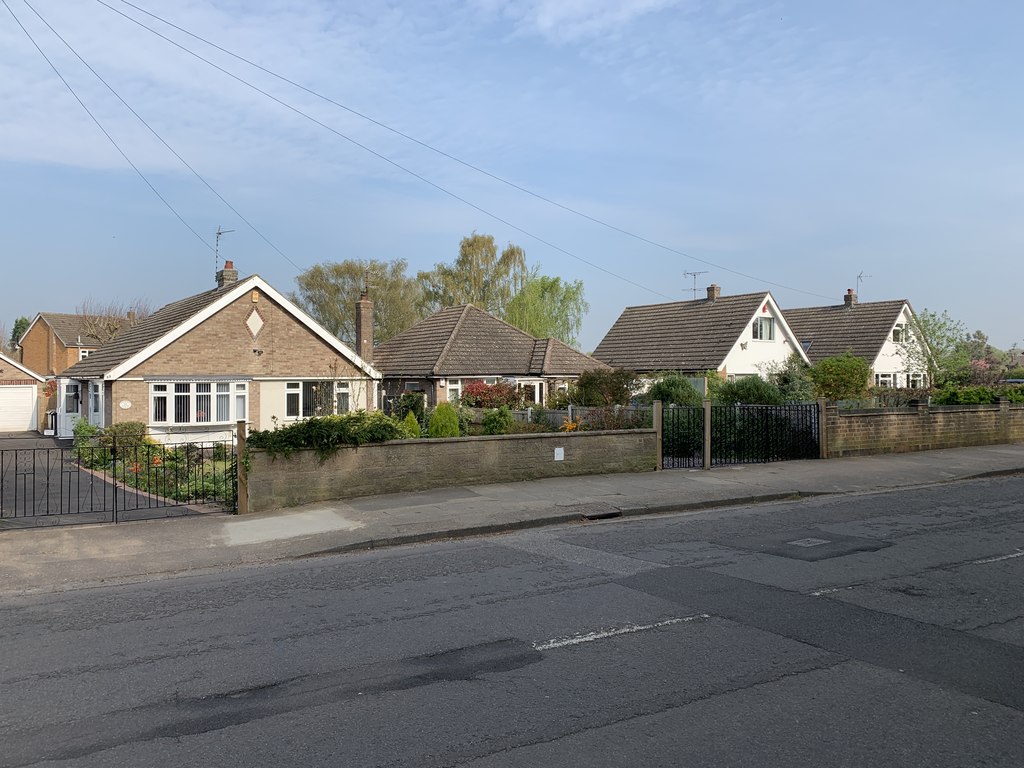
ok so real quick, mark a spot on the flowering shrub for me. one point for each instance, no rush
(477, 394)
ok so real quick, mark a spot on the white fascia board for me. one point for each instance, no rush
(21, 367)
(34, 321)
(243, 287)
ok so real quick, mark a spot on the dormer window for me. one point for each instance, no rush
(83, 353)
(764, 329)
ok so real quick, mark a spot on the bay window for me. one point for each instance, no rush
(197, 402)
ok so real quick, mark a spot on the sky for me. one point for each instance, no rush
(804, 148)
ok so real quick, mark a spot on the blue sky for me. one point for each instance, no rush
(782, 146)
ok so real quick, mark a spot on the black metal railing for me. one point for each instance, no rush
(747, 434)
(109, 482)
(740, 434)
(682, 437)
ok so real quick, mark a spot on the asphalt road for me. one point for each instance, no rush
(871, 630)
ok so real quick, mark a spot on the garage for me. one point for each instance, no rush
(19, 397)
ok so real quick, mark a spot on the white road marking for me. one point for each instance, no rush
(828, 591)
(1011, 556)
(601, 634)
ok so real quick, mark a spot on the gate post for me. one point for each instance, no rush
(658, 429)
(707, 434)
(822, 428)
(242, 474)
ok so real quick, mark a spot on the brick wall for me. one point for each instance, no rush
(413, 465)
(901, 430)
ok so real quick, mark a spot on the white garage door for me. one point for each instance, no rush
(17, 408)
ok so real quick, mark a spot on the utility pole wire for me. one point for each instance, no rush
(388, 160)
(440, 152)
(161, 139)
(104, 130)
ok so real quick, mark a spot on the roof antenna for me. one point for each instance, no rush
(860, 279)
(694, 275)
(216, 249)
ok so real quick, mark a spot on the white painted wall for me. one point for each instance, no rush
(750, 356)
(273, 400)
(889, 359)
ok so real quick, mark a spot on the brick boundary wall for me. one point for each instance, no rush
(414, 465)
(921, 428)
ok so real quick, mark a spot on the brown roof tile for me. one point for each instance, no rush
(861, 328)
(678, 336)
(147, 331)
(466, 341)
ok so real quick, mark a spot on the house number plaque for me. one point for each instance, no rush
(124, 405)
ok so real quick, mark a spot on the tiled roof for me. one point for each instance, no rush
(135, 339)
(861, 328)
(466, 341)
(678, 336)
(70, 329)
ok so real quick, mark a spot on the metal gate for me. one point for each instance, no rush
(108, 482)
(739, 434)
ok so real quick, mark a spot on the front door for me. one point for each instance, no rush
(69, 403)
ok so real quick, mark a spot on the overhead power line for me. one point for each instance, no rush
(443, 153)
(387, 159)
(161, 139)
(99, 125)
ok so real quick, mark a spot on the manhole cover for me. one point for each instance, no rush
(811, 542)
(808, 544)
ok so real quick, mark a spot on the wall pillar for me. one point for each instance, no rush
(242, 507)
(658, 426)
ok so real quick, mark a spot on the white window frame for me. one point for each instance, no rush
(84, 353)
(917, 380)
(454, 385)
(886, 380)
(295, 392)
(758, 329)
(900, 333)
(204, 402)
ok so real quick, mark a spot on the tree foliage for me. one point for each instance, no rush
(479, 276)
(547, 307)
(750, 390)
(843, 377)
(793, 379)
(674, 388)
(943, 350)
(20, 326)
(603, 387)
(329, 292)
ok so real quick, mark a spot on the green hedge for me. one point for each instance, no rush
(326, 434)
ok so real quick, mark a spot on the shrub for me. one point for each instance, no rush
(601, 387)
(410, 402)
(843, 377)
(497, 421)
(750, 390)
(792, 378)
(674, 389)
(127, 435)
(953, 395)
(411, 425)
(444, 422)
(477, 394)
(326, 434)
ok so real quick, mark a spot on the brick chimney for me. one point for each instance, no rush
(850, 298)
(364, 327)
(227, 275)
(714, 292)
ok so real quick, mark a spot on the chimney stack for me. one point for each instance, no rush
(227, 275)
(364, 327)
(850, 298)
(714, 292)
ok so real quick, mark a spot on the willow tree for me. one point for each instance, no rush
(329, 291)
(548, 307)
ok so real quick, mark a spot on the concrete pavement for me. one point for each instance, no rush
(72, 557)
